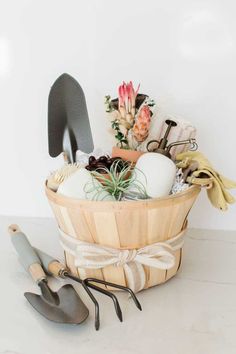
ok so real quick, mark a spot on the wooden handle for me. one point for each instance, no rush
(51, 265)
(37, 273)
(56, 268)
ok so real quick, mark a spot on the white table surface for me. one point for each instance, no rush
(195, 312)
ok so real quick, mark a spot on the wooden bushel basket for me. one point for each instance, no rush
(123, 225)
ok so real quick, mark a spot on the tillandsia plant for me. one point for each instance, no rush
(131, 114)
(116, 181)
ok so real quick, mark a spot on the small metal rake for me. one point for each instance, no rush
(56, 268)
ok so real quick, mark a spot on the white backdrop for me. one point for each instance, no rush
(182, 52)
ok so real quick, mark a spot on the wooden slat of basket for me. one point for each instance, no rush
(70, 263)
(69, 228)
(132, 228)
(66, 225)
(76, 221)
(80, 225)
(172, 271)
(89, 220)
(57, 213)
(177, 216)
(107, 234)
(80, 272)
(156, 234)
(69, 259)
(106, 229)
(156, 276)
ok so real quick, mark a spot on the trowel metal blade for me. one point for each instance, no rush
(50, 296)
(67, 108)
(70, 310)
(69, 146)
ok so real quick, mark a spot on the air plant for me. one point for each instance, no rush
(131, 113)
(116, 181)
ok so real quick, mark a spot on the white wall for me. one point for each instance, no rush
(183, 53)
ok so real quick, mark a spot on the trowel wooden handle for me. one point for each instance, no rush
(28, 256)
(50, 264)
(37, 273)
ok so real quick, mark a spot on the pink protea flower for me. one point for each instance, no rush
(127, 96)
(142, 124)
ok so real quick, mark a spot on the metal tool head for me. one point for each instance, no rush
(67, 109)
(70, 310)
(49, 295)
(69, 146)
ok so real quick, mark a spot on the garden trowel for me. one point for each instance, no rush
(68, 122)
(63, 306)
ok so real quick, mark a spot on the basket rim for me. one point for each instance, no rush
(64, 200)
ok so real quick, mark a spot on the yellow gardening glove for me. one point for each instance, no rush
(185, 158)
(217, 194)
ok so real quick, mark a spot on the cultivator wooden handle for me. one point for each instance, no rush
(51, 265)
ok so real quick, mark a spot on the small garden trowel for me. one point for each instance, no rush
(63, 306)
(68, 122)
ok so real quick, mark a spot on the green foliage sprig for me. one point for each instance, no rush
(122, 140)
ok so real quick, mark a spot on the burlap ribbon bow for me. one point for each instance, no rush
(159, 255)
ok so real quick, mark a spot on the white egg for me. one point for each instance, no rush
(156, 173)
